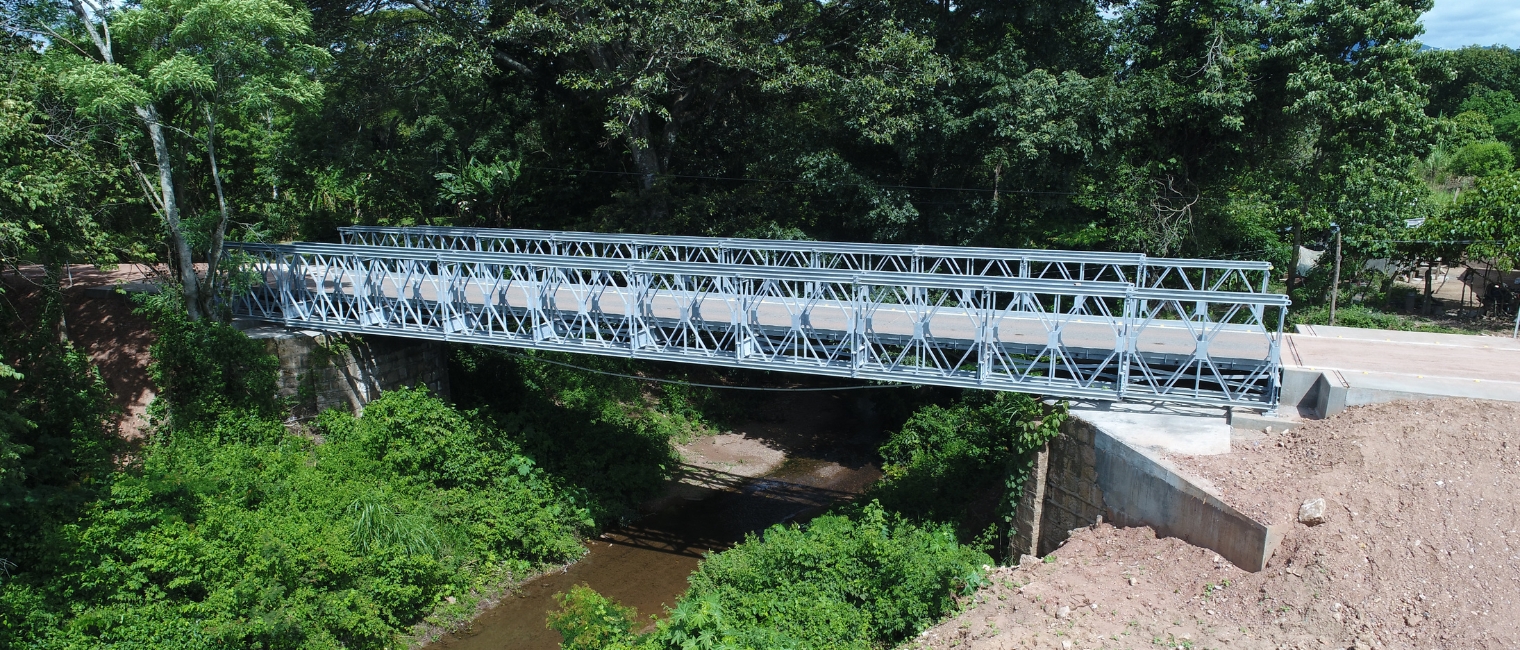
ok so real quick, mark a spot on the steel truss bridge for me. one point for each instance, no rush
(1096, 326)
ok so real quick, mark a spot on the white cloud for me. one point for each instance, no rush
(1455, 23)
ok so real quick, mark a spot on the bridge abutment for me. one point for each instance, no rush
(321, 370)
(1101, 469)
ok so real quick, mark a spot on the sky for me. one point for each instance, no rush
(1455, 23)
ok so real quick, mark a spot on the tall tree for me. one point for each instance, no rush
(1357, 104)
(200, 59)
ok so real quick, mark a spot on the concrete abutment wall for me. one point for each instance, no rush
(1092, 476)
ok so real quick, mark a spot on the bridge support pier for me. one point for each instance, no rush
(320, 370)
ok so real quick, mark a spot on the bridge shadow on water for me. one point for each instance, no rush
(724, 507)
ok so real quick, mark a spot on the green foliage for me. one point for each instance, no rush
(587, 620)
(205, 368)
(52, 179)
(965, 463)
(1492, 104)
(57, 441)
(247, 536)
(1489, 216)
(1482, 159)
(1362, 316)
(1455, 75)
(865, 580)
(595, 432)
(868, 579)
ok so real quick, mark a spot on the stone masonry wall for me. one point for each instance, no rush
(1072, 496)
(1026, 519)
(319, 371)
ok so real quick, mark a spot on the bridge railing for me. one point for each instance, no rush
(1135, 268)
(1078, 339)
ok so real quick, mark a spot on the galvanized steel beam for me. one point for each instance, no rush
(1071, 338)
(1136, 268)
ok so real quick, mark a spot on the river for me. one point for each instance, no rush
(812, 450)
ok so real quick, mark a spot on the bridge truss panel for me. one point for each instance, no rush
(1062, 338)
(1135, 268)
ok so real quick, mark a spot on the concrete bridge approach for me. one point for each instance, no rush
(1092, 326)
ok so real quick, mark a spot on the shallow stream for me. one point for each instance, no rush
(829, 444)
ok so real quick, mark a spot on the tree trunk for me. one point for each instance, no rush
(179, 247)
(1425, 308)
(52, 307)
(1298, 230)
(647, 160)
(214, 254)
(640, 144)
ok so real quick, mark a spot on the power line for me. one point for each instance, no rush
(701, 385)
(979, 190)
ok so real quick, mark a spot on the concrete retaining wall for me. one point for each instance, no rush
(319, 371)
(1093, 476)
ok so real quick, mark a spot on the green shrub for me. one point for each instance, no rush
(594, 433)
(238, 534)
(587, 620)
(1482, 159)
(1363, 317)
(57, 448)
(866, 580)
(965, 463)
(205, 368)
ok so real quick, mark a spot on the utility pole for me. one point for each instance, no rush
(1335, 285)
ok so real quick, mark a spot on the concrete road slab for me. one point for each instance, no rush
(1402, 357)
(1419, 338)
(1366, 387)
(1193, 431)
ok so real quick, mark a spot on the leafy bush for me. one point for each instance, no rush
(205, 368)
(1363, 317)
(235, 533)
(56, 457)
(1482, 159)
(588, 620)
(232, 532)
(595, 432)
(866, 580)
(965, 463)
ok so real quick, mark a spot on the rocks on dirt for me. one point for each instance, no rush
(1312, 512)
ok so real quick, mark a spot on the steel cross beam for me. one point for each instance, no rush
(1135, 268)
(1063, 338)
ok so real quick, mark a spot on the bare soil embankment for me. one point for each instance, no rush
(103, 326)
(1419, 549)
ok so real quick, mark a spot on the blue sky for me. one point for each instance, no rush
(1455, 23)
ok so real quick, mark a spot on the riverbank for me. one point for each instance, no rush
(802, 453)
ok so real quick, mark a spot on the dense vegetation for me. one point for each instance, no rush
(229, 530)
(155, 130)
(862, 581)
(863, 576)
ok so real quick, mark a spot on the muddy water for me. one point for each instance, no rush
(829, 443)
